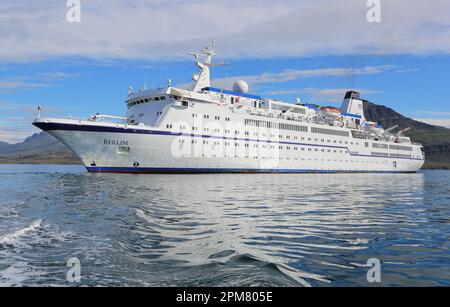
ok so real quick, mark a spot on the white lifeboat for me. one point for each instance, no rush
(330, 112)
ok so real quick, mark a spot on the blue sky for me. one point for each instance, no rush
(81, 69)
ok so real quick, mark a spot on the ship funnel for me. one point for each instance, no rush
(353, 105)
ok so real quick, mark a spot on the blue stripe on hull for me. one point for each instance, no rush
(155, 170)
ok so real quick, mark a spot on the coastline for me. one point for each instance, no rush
(37, 161)
(436, 166)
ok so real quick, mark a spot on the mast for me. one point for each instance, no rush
(203, 60)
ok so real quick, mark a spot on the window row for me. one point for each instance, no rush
(398, 147)
(146, 100)
(271, 125)
(329, 131)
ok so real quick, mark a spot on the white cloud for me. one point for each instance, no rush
(54, 76)
(334, 95)
(435, 122)
(14, 136)
(433, 114)
(31, 30)
(291, 74)
(17, 130)
(9, 108)
(39, 80)
(16, 120)
(20, 85)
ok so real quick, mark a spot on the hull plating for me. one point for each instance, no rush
(153, 152)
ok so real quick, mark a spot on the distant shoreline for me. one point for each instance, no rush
(437, 166)
(55, 161)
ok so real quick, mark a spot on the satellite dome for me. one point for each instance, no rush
(240, 87)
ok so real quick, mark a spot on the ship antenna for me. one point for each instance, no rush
(203, 59)
(213, 45)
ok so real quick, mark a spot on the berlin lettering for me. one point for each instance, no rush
(115, 142)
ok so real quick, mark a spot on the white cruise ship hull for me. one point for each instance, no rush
(106, 147)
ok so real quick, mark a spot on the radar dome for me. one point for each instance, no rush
(241, 87)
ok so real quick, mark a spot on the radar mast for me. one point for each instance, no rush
(203, 60)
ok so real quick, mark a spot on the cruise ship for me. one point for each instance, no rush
(203, 129)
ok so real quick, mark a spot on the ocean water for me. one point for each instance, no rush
(222, 230)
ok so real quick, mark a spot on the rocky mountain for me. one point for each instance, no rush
(4, 145)
(38, 148)
(436, 140)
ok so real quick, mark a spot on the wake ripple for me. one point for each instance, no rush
(12, 238)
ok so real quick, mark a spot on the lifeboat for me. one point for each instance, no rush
(330, 111)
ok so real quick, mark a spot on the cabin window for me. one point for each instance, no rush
(329, 131)
(156, 98)
(397, 147)
(185, 103)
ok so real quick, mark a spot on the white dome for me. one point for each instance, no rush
(240, 87)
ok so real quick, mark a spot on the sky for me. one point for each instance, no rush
(284, 49)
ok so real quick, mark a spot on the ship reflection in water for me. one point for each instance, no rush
(223, 230)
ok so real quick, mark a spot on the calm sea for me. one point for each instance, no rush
(222, 230)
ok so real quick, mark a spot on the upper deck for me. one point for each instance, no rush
(350, 117)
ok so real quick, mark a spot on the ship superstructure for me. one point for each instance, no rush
(206, 129)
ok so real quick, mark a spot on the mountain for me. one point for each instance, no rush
(436, 140)
(38, 148)
(43, 148)
(3, 145)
